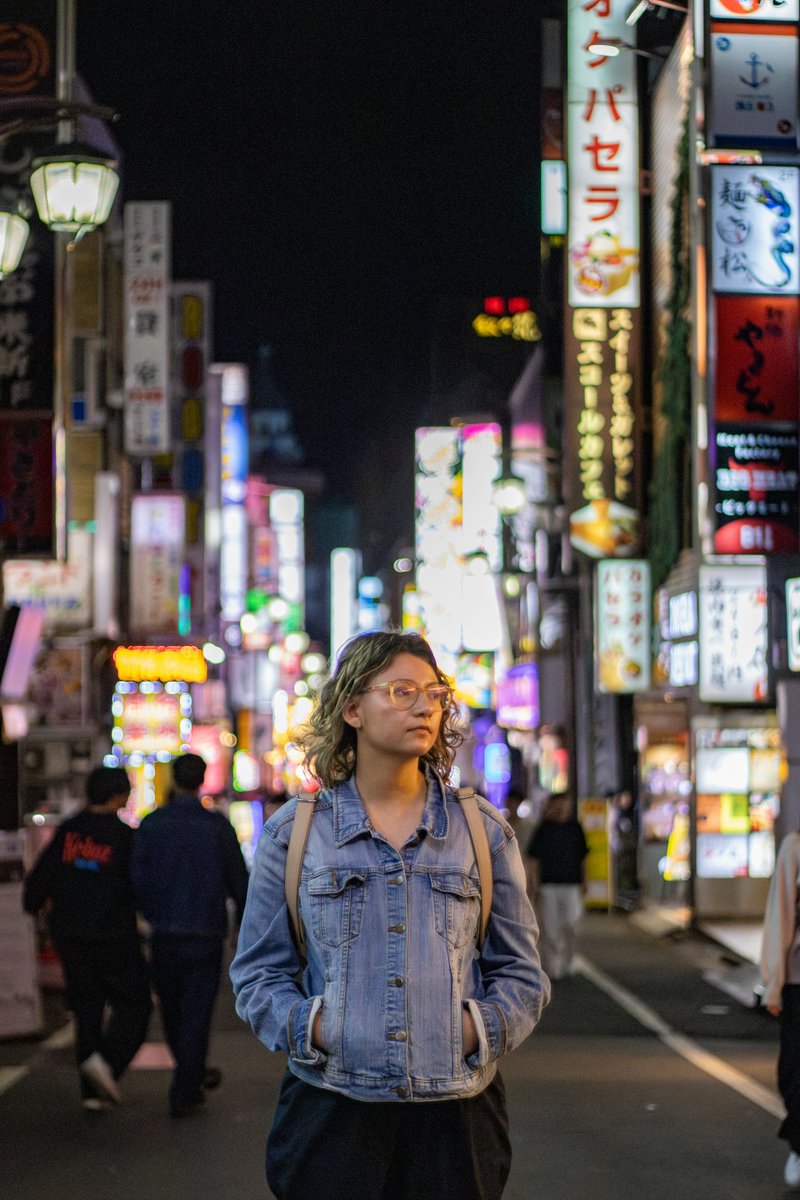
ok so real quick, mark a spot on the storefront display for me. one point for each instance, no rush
(738, 776)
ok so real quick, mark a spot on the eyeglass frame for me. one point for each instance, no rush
(389, 685)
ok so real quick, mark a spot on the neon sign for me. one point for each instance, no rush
(164, 664)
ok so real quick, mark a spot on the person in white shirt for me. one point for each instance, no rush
(780, 973)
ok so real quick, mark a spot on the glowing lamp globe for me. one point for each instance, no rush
(13, 236)
(74, 188)
(509, 495)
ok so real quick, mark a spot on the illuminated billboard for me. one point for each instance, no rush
(754, 234)
(733, 634)
(603, 160)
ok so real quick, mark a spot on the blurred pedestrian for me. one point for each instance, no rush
(558, 849)
(82, 879)
(400, 1003)
(780, 972)
(623, 841)
(187, 862)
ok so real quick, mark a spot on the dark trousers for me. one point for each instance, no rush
(106, 974)
(789, 1065)
(325, 1144)
(185, 973)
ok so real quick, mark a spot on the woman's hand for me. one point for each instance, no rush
(316, 1032)
(469, 1033)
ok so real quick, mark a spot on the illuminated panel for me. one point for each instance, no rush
(733, 634)
(157, 552)
(147, 259)
(554, 197)
(345, 569)
(234, 464)
(755, 10)
(438, 535)
(165, 664)
(150, 723)
(622, 641)
(480, 518)
(603, 158)
(754, 229)
(286, 510)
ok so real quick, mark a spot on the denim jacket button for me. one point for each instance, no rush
(398, 981)
(401, 1091)
(397, 882)
(397, 929)
(400, 1036)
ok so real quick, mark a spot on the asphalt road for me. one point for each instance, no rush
(642, 1081)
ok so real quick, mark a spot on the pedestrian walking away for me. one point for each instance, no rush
(558, 850)
(82, 880)
(186, 863)
(780, 972)
(396, 1015)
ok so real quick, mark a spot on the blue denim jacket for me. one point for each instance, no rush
(392, 955)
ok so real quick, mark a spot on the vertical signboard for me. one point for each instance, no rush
(755, 272)
(603, 285)
(603, 158)
(754, 234)
(733, 634)
(234, 459)
(753, 85)
(757, 359)
(438, 535)
(147, 278)
(157, 553)
(622, 638)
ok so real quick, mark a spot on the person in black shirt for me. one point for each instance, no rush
(83, 877)
(558, 848)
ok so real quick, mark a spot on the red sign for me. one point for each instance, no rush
(757, 358)
(26, 483)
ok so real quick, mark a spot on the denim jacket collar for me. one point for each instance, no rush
(350, 818)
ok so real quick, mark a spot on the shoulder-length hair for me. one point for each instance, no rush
(330, 743)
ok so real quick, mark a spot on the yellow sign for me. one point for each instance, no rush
(162, 664)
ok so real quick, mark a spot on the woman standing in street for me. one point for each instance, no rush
(395, 1028)
(780, 972)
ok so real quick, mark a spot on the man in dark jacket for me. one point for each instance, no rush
(186, 863)
(83, 874)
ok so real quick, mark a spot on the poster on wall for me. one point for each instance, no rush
(733, 634)
(757, 508)
(754, 238)
(756, 10)
(753, 98)
(757, 360)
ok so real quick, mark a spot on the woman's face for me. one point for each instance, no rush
(385, 727)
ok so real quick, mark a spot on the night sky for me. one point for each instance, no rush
(334, 169)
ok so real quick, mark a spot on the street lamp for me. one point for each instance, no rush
(74, 188)
(611, 47)
(643, 6)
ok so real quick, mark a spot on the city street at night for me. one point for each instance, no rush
(598, 1101)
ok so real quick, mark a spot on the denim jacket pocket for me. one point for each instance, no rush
(456, 906)
(336, 904)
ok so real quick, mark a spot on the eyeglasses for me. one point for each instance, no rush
(405, 694)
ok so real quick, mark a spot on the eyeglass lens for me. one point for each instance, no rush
(405, 695)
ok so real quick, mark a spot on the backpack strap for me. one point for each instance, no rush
(483, 858)
(295, 854)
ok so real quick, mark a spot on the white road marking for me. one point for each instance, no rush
(62, 1038)
(751, 1089)
(11, 1075)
